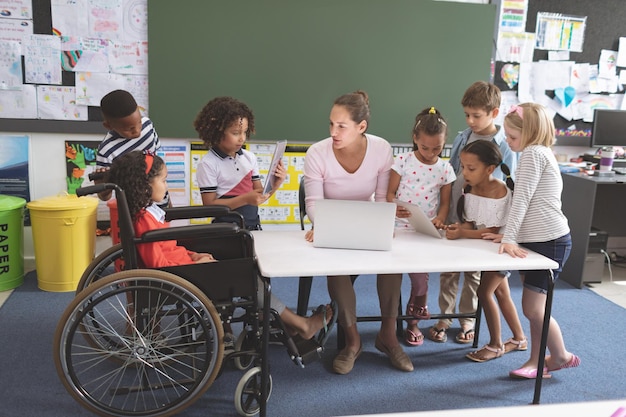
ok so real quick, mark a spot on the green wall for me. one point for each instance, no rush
(289, 59)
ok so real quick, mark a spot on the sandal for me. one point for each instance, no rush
(412, 338)
(478, 356)
(572, 363)
(465, 336)
(328, 326)
(438, 335)
(420, 313)
(512, 344)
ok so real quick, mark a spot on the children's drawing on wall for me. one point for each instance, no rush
(507, 75)
(80, 160)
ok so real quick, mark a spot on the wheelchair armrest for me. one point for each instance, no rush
(190, 212)
(188, 232)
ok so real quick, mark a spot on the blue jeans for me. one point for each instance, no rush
(558, 250)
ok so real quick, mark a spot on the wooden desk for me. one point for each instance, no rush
(286, 254)
(590, 201)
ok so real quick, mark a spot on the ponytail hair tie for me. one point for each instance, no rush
(517, 109)
(432, 111)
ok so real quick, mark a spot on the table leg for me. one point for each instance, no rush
(304, 293)
(477, 318)
(544, 339)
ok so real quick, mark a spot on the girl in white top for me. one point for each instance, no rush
(537, 223)
(353, 165)
(483, 208)
(422, 178)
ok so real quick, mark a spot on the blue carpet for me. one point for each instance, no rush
(443, 379)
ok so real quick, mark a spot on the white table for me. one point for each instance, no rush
(283, 254)
(286, 254)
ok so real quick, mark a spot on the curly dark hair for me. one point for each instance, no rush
(128, 171)
(217, 115)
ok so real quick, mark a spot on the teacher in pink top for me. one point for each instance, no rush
(354, 165)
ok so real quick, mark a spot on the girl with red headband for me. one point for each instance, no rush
(143, 177)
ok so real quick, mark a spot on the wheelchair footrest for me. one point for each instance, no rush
(309, 350)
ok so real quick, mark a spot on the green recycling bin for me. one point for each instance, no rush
(11, 242)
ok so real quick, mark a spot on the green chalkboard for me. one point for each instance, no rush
(289, 59)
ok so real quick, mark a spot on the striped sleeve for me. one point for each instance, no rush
(536, 214)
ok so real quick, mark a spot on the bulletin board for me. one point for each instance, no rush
(42, 24)
(604, 27)
(129, 21)
(289, 60)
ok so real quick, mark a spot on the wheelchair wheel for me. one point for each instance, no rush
(245, 342)
(106, 263)
(248, 392)
(166, 344)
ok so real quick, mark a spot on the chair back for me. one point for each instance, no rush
(301, 202)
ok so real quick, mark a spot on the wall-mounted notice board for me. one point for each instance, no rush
(42, 25)
(288, 60)
(604, 27)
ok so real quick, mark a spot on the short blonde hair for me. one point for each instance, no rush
(535, 125)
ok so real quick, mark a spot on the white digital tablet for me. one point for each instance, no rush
(418, 219)
(279, 151)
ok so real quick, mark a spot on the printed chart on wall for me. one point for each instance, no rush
(282, 207)
(175, 158)
(14, 168)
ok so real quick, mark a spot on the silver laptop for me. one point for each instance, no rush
(349, 224)
(420, 222)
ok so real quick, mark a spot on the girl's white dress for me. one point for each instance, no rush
(487, 212)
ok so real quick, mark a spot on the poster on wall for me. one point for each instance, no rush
(80, 160)
(14, 168)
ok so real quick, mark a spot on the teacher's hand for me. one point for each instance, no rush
(513, 250)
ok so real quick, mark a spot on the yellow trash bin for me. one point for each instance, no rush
(11, 242)
(64, 236)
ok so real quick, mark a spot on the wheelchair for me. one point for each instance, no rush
(150, 342)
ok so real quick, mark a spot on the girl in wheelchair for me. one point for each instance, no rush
(143, 177)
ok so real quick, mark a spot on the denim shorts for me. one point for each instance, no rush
(558, 250)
